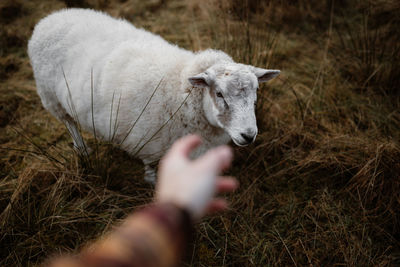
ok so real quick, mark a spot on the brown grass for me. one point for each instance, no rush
(321, 184)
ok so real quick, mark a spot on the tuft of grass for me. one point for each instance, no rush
(367, 49)
(46, 211)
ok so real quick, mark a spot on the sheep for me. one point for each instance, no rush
(131, 87)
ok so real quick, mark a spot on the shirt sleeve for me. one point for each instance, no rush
(155, 236)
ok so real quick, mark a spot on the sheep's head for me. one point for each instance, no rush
(230, 97)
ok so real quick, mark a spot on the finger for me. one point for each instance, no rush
(216, 159)
(217, 205)
(63, 262)
(185, 145)
(226, 184)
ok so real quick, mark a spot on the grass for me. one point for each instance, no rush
(319, 187)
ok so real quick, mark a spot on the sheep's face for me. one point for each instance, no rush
(230, 97)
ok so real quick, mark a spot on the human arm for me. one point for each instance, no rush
(158, 234)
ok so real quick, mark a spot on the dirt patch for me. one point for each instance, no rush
(87, 3)
(10, 10)
(8, 66)
(8, 105)
(10, 40)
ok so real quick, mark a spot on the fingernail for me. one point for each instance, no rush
(226, 151)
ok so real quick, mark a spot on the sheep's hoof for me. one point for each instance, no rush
(150, 179)
(150, 175)
(83, 151)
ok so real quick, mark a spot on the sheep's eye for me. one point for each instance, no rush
(220, 95)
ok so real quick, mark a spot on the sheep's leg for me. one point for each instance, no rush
(51, 103)
(149, 174)
(79, 144)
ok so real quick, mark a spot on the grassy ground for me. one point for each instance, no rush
(320, 186)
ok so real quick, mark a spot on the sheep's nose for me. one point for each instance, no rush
(248, 137)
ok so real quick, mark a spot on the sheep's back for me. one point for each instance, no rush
(79, 42)
(126, 63)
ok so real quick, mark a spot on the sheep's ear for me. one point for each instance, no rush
(200, 80)
(265, 75)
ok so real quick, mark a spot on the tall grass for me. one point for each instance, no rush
(320, 186)
(367, 51)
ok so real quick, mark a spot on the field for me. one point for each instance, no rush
(319, 187)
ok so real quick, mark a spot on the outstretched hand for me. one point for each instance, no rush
(193, 184)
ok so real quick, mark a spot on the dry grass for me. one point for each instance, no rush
(320, 186)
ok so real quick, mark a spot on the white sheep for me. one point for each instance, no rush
(131, 87)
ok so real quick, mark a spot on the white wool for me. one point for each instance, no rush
(125, 65)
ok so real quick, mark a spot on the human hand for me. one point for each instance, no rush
(192, 185)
